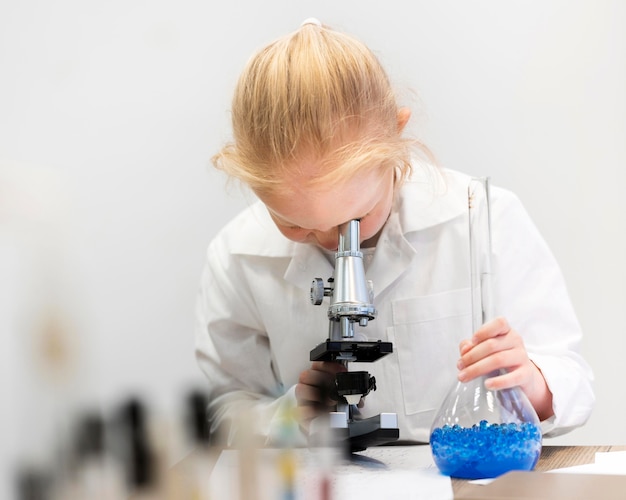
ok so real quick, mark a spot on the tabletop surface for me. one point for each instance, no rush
(552, 457)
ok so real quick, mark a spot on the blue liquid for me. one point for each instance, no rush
(485, 450)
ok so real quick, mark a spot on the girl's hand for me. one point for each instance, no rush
(494, 346)
(314, 391)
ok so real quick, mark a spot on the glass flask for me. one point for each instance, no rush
(477, 432)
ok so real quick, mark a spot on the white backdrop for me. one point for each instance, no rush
(110, 111)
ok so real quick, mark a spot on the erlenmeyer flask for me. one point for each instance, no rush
(481, 433)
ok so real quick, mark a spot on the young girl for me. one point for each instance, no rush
(318, 137)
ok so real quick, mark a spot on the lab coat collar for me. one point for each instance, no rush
(392, 257)
(431, 197)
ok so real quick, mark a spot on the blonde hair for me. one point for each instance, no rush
(316, 95)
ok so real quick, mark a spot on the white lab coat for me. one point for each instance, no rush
(257, 326)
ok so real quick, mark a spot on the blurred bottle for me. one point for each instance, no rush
(200, 462)
(94, 472)
(34, 484)
(135, 450)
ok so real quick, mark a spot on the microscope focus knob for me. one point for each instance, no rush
(317, 291)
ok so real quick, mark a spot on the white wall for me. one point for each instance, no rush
(110, 111)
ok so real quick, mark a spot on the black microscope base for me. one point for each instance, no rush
(359, 435)
(360, 442)
(376, 437)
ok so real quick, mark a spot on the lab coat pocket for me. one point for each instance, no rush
(426, 334)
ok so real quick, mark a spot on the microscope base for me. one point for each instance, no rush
(356, 435)
(373, 431)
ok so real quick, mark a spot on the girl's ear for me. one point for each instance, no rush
(403, 117)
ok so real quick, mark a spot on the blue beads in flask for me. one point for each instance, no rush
(485, 450)
(479, 433)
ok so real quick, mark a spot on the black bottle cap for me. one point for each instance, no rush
(138, 455)
(90, 440)
(33, 484)
(197, 422)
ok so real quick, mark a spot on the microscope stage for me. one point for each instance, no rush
(332, 350)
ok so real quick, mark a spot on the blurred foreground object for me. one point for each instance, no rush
(43, 365)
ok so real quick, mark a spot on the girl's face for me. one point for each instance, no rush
(314, 215)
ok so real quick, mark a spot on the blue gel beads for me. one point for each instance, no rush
(485, 450)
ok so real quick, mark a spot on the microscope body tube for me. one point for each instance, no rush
(352, 294)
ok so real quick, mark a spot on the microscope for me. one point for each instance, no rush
(351, 298)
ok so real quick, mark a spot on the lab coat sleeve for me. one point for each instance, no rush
(233, 351)
(532, 295)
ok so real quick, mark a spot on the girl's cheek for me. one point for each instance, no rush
(369, 228)
(297, 235)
